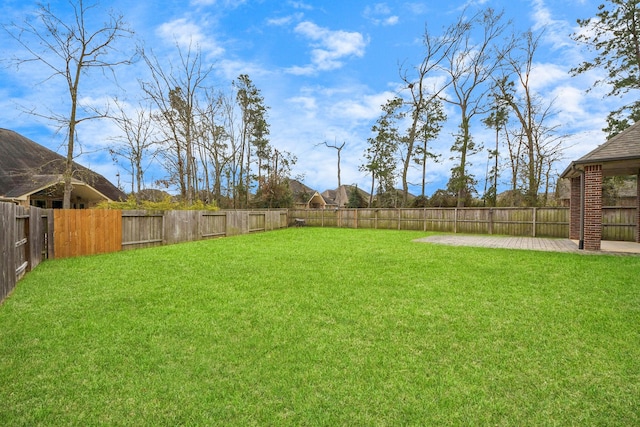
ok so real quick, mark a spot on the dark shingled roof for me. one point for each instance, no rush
(625, 145)
(26, 166)
(619, 155)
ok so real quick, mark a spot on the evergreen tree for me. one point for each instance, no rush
(614, 35)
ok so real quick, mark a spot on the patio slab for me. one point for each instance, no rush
(529, 243)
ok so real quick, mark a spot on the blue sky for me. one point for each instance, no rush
(324, 69)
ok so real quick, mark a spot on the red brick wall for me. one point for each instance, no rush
(574, 209)
(592, 207)
(638, 209)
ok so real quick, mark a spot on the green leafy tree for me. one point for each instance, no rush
(274, 190)
(254, 131)
(432, 117)
(380, 154)
(497, 121)
(614, 36)
(356, 200)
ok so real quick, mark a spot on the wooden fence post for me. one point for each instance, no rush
(490, 221)
(455, 220)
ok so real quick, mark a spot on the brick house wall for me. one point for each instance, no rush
(638, 209)
(592, 207)
(574, 209)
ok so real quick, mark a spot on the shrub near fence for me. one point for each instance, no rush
(25, 234)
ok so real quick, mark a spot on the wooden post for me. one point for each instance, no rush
(490, 220)
(455, 220)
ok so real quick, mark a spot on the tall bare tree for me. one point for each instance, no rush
(540, 145)
(136, 143)
(471, 58)
(176, 92)
(216, 141)
(338, 148)
(71, 49)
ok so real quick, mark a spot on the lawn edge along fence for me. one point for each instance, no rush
(29, 235)
(618, 222)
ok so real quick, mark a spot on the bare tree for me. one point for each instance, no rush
(215, 141)
(423, 98)
(176, 92)
(471, 59)
(539, 143)
(70, 49)
(338, 148)
(137, 142)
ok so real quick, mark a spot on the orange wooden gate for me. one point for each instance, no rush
(79, 232)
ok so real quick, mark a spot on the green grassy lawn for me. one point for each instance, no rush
(312, 326)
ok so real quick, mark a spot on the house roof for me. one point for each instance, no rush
(27, 167)
(620, 155)
(340, 196)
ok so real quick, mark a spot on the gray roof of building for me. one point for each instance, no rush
(26, 166)
(623, 147)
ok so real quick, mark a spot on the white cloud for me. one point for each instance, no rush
(555, 31)
(221, 3)
(188, 34)
(300, 5)
(367, 107)
(306, 102)
(284, 20)
(545, 75)
(330, 48)
(380, 14)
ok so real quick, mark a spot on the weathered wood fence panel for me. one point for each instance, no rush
(150, 228)
(142, 229)
(618, 223)
(25, 234)
(541, 222)
(86, 231)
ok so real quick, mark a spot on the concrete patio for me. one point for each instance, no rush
(530, 243)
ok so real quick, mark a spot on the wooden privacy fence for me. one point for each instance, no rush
(541, 222)
(25, 234)
(87, 232)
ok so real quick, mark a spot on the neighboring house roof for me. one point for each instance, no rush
(620, 155)
(27, 167)
(340, 196)
(305, 195)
